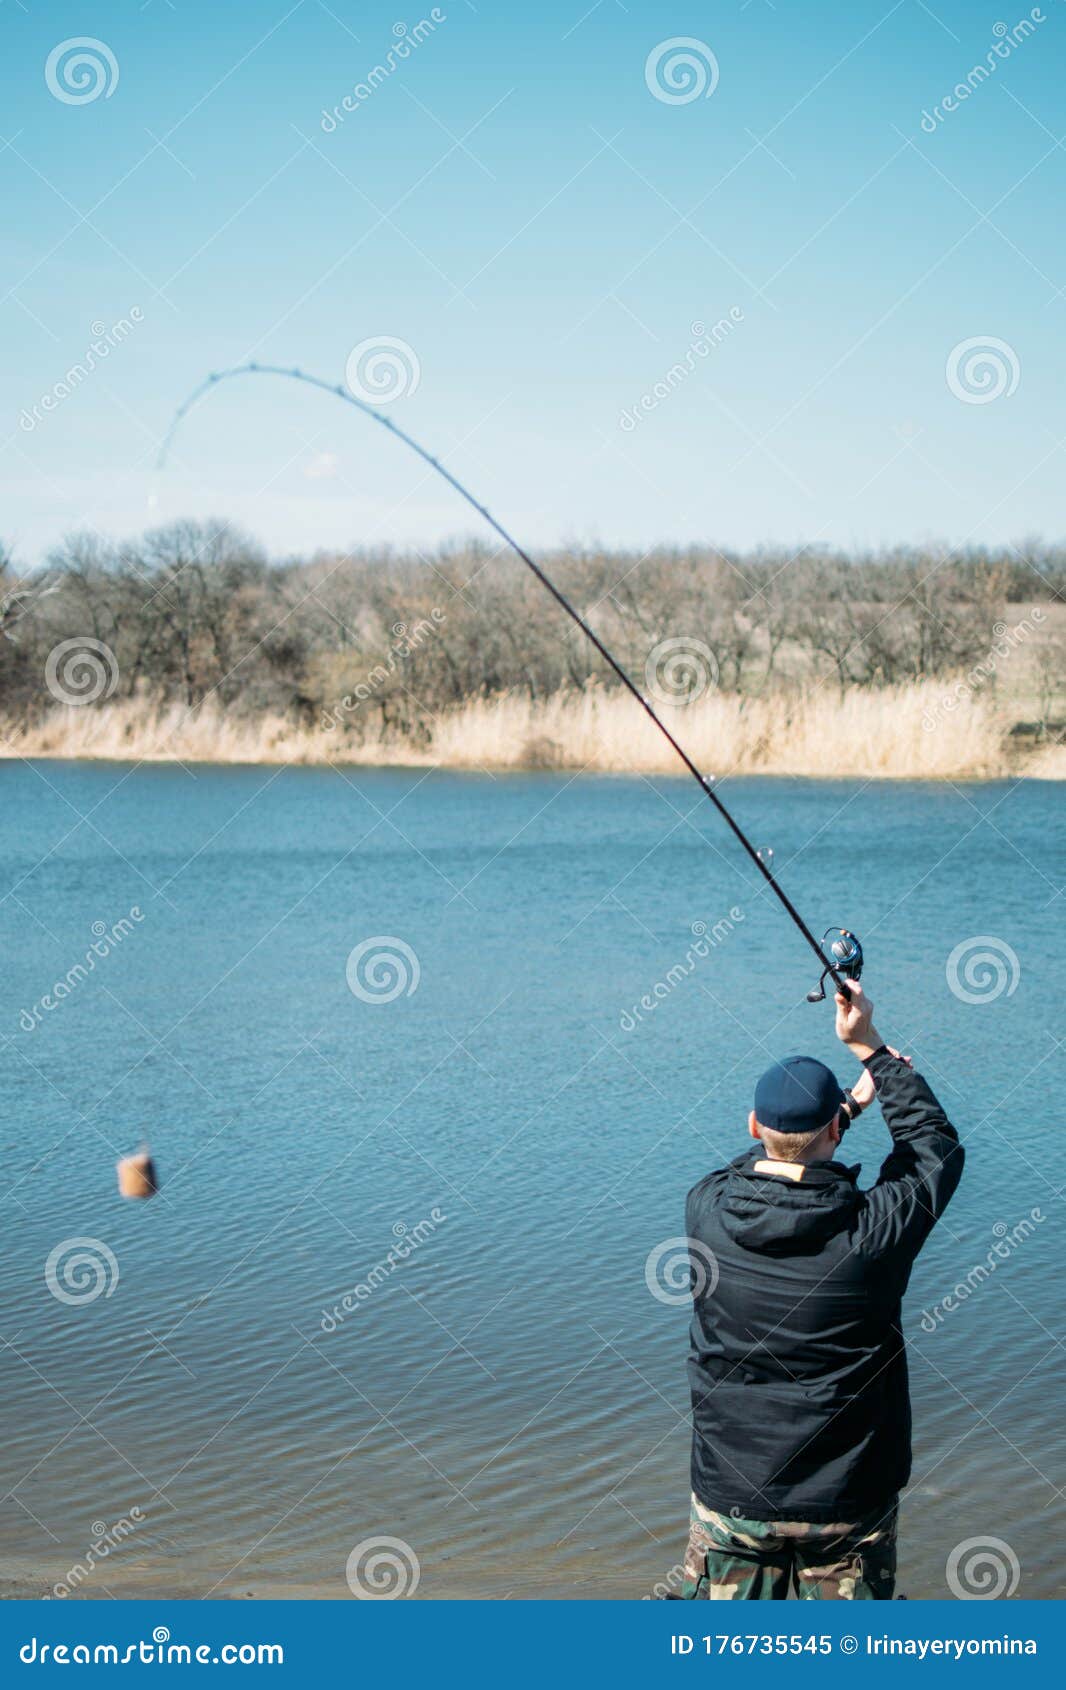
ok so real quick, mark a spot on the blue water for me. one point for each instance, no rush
(506, 1395)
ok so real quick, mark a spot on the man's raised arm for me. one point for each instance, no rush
(919, 1176)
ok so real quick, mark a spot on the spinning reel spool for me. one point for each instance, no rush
(846, 952)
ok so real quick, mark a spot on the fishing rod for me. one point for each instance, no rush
(845, 957)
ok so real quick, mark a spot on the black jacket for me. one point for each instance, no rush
(798, 1372)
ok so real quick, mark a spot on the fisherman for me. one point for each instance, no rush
(801, 1411)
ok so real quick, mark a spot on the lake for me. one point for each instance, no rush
(394, 1283)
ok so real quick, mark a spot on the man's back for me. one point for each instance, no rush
(797, 1364)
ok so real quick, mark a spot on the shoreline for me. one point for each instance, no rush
(1014, 773)
(477, 1582)
(914, 732)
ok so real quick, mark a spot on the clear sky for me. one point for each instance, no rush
(513, 202)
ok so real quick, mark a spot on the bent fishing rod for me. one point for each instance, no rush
(845, 958)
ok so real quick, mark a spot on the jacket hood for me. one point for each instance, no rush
(774, 1215)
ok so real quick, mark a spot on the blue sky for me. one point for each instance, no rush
(514, 204)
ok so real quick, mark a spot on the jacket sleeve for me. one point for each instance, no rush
(919, 1176)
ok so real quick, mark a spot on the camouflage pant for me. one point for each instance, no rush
(760, 1560)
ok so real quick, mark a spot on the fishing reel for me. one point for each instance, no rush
(846, 953)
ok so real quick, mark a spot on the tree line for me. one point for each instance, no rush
(197, 610)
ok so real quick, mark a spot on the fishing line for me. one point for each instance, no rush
(836, 964)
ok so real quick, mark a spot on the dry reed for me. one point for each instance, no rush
(898, 731)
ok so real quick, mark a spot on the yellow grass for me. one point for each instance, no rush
(898, 731)
(1048, 764)
(878, 733)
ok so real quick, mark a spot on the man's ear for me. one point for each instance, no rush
(753, 1126)
(835, 1129)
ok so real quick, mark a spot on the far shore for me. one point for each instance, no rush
(924, 731)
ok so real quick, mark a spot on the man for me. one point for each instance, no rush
(801, 1411)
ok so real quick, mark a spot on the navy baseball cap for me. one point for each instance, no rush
(798, 1095)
